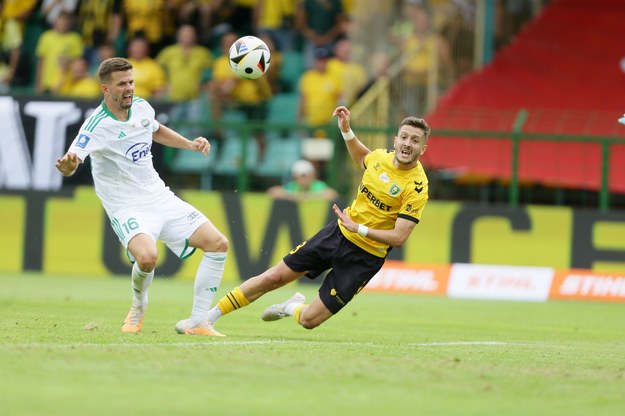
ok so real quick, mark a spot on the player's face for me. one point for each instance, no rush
(409, 144)
(121, 89)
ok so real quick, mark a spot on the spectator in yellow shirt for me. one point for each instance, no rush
(185, 64)
(277, 17)
(319, 91)
(55, 49)
(351, 74)
(78, 83)
(13, 14)
(147, 19)
(148, 74)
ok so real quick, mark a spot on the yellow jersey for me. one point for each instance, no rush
(352, 75)
(385, 194)
(149, 77)
(86, 88)
(12, 9)
(185, 70)
(147, 16)
(321, 91)
(51, 46)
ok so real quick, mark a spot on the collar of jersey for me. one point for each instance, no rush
(107, 111)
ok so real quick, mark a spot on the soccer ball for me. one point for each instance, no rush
(249, 57)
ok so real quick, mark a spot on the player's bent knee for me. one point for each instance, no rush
(222, 244)
(210, 243)
(146, 261)
(146, 266)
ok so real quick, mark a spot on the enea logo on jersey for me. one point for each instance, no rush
(83, 139)
(138, 151)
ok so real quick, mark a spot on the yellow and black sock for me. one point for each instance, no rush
(232, 301)
(297, 312)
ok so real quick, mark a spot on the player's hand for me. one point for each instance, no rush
(343, 118)
(68, 164)
(200, 144)
(345, 220)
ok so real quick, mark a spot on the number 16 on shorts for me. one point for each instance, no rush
(123, 230)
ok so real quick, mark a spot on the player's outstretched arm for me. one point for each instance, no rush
(168, 137)
(394, 238)
(68, 164)
(356, 149)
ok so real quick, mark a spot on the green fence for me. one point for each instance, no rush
(341, 173)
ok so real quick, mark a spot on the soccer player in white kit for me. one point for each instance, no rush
(118, 137)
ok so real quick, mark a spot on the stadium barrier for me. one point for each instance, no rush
(496, 282)
(67, 233)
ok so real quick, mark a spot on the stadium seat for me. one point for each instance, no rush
(193, 163)
(231, 156)
(280, 155)
(282, 109)
(291, 70)
(233, 117)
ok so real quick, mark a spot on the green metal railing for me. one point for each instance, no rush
(246, 132)
(340, 174)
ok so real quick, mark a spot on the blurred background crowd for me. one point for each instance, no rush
(324, 53)
(55, 46)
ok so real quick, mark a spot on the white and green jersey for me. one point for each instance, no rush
(121, 160)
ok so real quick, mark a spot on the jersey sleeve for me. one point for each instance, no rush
(414, 203)
(372, 157)
(152, 113)
(86, 142)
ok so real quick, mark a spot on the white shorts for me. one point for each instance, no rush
(173, 222)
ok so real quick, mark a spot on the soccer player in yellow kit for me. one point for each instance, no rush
(388, 205)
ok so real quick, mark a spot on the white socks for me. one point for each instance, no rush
(207, 281)
(140, 284)
(290, 308)
(214, 314)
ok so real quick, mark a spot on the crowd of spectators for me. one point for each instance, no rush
(175, 45)
(178, 49)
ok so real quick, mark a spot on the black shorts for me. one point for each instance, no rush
(351, 267)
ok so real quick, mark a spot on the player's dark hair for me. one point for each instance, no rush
(419, 123)
(108, 66)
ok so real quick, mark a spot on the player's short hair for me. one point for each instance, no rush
(108, 66)
(417, 122)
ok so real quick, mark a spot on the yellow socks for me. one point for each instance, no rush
(297, 312)
(232, 301)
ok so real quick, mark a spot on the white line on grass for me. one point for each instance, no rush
(215, 343)
(460, 343)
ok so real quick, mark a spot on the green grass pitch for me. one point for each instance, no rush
(62, 353)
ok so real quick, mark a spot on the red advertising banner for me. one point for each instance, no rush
(399, 276)
(496, 282)
(588, 285)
